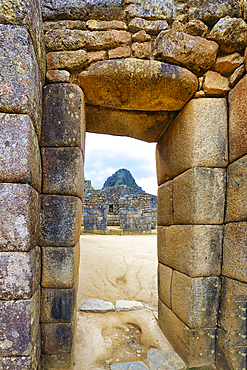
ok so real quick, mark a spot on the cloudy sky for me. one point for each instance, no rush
(105, 154)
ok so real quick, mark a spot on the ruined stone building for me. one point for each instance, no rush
(132, 210)
(166, 71)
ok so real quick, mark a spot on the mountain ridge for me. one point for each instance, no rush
(121, 177)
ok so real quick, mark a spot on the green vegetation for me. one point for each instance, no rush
(121, 177)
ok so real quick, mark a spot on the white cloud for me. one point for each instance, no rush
(105, 154)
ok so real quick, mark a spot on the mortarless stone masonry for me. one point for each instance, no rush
(193, 52)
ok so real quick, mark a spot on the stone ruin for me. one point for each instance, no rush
(132, 210)
(171, 72)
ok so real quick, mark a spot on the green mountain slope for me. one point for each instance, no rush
(121, 177)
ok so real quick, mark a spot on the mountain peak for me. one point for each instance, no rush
(121, 177)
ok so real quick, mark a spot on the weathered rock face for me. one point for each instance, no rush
(215, 84)
(137, 85)
(227, 64)
(192, 52)
(67, 60)
(153, 27)
(85, 9)
(230, 33)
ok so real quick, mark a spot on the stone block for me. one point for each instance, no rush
(133, 84)
(236, 76)
(63, 171)
(27, 14)
(55, 76)
(95, 25)
(19, 274)
(197, 137)
(71, 60)
(164, 205)
(215, 85)
(57, 305)
(146, 126)
(229, 357)
(195, 300)
(195, 27)
(120, 52)
(60, 220)
(195, 346)
(20, 85)
(236, 199)
(20, 212)
(84, 10)
(237, 120)
(19, 326)
(152, 27)
(227, 64)
(232, 313)
(234, 251)
(60, 266)
(192, 52)
(63, 116)
(56, 338)
(164, 284)
(61, 361)
(59, 39)
(199, 196)
(19, 153)
(194, 250)
(141, 36)
(142, 50)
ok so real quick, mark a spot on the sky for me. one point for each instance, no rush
(105, 154)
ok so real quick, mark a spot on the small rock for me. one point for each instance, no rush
(120, 52)
(236, 76)
(153, 27)
(97, 305)
(96, 56)
(178, 26)
(67, 60)
(55, 76)
(215, 84)
(227, 64)
(95, 25)
(141, 50)
(141, 36)
(192, 52)
(71, 25)
(199, 94)
(196, 27)
(168, 360)
(122, 305)
(230, 34)
(200, 82)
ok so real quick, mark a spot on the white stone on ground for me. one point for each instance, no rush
(122, 305)
(97, 305)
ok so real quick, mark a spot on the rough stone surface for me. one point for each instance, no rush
(122, 305)
(227, 64)
(164, 283)
(60, 266)
(63, 171)
(20, 85)
(92, 40)
(236, 76)
(192, 52)
(20, 274)
(230, 34)
(92, 9)
(142, 50)
(21, 317)
(22, 363)
(134, 84)
(194, 250)
(70, 60)
(60, 361)
(27, 14)
(164, 205)
(195, 300)
(19, 153)
(215, 85)
(60, 220)
(60, 127)
(97, 305)
(234, 251)
(65, 24)
(55, 76)
(199, 196)
(95, 25)
(146, 126)
(20, 211)
(141, 36)
(152, 27)
(194, 139)
(57, 305)
(120, 52)
(236, 200)
(195, 346)
(56, 338)
(237, 120)
(96, 56)
(169, 360)
(195, 27)
(135, 365)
